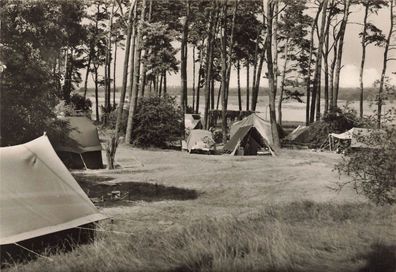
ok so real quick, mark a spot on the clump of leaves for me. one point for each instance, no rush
(373, 169)
(157, 122)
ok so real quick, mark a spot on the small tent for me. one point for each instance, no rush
(86, 152)
(292, 136)
(357, 138)
(200, 140)
(253, 134)
(38, 195)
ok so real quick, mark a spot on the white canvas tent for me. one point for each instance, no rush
(200, 140)
(38, 195)
(358, 137)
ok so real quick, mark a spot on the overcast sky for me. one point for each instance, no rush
(351, 57)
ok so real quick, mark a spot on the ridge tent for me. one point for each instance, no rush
(292, 136)
(252, 134)
(39, 196)
(87, 153)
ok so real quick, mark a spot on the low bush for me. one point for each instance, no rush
(157, 122)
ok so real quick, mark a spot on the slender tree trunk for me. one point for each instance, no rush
(199, 76)
(326, 61)
(219, 95)
(311, 49)
(271, 77)
(229, 57)
(136, 72)
(107, 105)
(247, 86)
(275, 41)
(193, 84)
(133, 51)
(96, 95)
(224, 72)
(255, 63)
(212, 93)
(340, 51)
(282, 89)
(114, 74)
(125, 66)
(318, 67)
(332, 69)
(363, 42)
(209, 58)
(86, 76)
(183, 63)
(144, 53)
(160, 85)
(239, 85)
(165, 87)
(385, 62)
(256, 86)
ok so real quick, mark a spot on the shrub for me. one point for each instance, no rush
(373, 170)
(80, 103)
(157, 122)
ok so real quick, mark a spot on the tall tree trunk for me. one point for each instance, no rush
(136, 74)
(132, 11)
(165, 87)
(219, 95)
(256, 86)
(247, 86)
(107, 105)
(340, 51)
(231, 47)
(183, 63)
(96, 94)
(199, 76)
(144, 53)
(86, 76)
(223, 51)
(326, 61)
(363, 42)
(209, 58)
(311, 49)
(133, 51)
(160, 85)
(271, 78)
(275, 41)
(114, 74)
(282, 89)
(239, 85)
(332, 69)
(318, 67)
(212, 93)
(385, 62)
(193, 84)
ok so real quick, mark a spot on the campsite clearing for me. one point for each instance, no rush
(251, 213)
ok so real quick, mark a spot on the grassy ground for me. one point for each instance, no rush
(249, 214)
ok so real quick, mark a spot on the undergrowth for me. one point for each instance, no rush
(301, 236)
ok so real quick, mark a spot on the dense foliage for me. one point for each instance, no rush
(32, 34)
(157, 121)
(373, 169)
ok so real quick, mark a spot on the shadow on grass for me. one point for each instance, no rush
(105, 193)
(381, 258)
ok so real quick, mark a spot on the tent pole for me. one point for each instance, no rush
(82, 159)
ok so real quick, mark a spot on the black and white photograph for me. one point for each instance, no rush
(198, 135)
